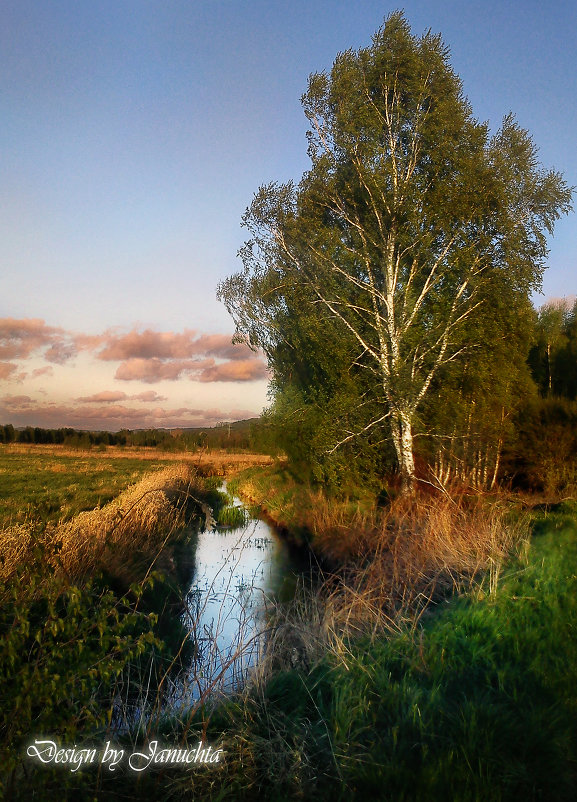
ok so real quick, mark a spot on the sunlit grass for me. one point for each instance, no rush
(134, 526)
(53, 483)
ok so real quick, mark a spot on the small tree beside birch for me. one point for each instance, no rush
(408, 222)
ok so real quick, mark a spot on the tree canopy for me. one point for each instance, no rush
(414, 237)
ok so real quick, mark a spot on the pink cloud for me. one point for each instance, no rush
(106, 413)
(165, 345)
(18, 403)
(155, 370)
(143, 356)
(203, 370)
(149, 396)
(112, 396)
(107, 396)
(242, 414)
(24, 411)
(7, 369)
(20, 338)
(148, 345)
(47, 371)
(89, 342)
(245, 370)
(221, 346)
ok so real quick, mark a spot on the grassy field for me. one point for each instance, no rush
(53, 486)
(51, 483)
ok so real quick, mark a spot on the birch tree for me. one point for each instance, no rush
(409, 220)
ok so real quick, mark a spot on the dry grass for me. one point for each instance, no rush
(139, 521)
(419, 552)
(396, 563)
(385, 566)
(220, 461)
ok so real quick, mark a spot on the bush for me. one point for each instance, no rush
(63, 650)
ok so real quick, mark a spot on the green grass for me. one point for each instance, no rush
(232, 517)
(52, 487)
(481, 704)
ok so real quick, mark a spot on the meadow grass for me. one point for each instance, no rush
(49, 485)
(479, 703)
(52, 483)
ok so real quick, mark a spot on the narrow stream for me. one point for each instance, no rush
(236, 572)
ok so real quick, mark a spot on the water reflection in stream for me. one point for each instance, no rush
(236, 572)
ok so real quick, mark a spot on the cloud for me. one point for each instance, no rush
(18, 403)
(222, 347)
(149, 396)
(203, 370)
(166, 345)
(243, 371)
(112, 396)
(47, 371)
(155, 370)
(7, 369)
(24, 411)
(243, 414)
(107, 396)
(60, 352)
(147, 356)
(20, 338)
(148, 345)
(106, 412)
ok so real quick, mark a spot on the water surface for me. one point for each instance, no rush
(236, 573)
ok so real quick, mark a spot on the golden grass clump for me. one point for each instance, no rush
(16, 546)
(395, 563)
(414, 553)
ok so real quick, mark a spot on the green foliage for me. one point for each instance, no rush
(553, 358)
(544, 457)
(471, 413)
(306, 430)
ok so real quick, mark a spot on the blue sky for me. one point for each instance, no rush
(134, 134)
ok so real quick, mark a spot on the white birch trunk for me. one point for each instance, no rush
(402, 429)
